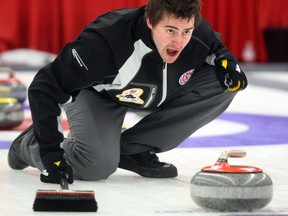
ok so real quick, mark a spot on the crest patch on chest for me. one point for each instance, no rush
(184, 78)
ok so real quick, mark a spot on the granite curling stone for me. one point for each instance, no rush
(10, 86)
(11, 113)
(224, 187)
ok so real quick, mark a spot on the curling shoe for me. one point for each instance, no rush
(14, 158)
(147, 164)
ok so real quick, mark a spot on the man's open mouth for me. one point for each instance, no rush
(172, 52)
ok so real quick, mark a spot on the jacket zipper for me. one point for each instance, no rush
(164, 84)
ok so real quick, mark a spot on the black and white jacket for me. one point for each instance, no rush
(115, 55)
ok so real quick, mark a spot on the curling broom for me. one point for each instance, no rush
(64, 199)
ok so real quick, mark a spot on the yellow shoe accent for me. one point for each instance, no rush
(57, 163)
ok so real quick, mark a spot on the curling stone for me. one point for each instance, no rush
(11, 113)
(224, 187)
(10, 86)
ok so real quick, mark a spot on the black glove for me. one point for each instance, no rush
(230, 75)
(54, 171)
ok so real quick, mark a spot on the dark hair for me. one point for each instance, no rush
(183, 9)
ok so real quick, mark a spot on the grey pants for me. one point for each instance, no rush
(95, 141)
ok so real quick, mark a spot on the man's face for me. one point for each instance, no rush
(171, 35)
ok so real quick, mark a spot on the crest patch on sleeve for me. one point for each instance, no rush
(131, 96)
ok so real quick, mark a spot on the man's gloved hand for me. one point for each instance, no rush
(52, 172)
(230, 75)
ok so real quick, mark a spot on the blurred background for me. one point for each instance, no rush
(254, 30)
(32, 32)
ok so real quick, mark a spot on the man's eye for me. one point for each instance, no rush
(170, 31)
(187, 32)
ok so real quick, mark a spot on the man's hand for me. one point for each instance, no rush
(52, 172)
(230, 75)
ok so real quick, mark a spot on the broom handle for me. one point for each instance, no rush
(64, 181)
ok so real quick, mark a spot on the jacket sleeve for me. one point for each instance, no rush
(216, 47)
(80, 64)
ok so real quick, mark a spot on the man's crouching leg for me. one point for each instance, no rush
(24, 151)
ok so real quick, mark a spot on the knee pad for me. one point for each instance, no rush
(93, 173)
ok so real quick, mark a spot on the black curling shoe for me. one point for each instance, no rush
(147, 164)
(14, 159)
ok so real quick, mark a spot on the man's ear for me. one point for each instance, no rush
(148, 23)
